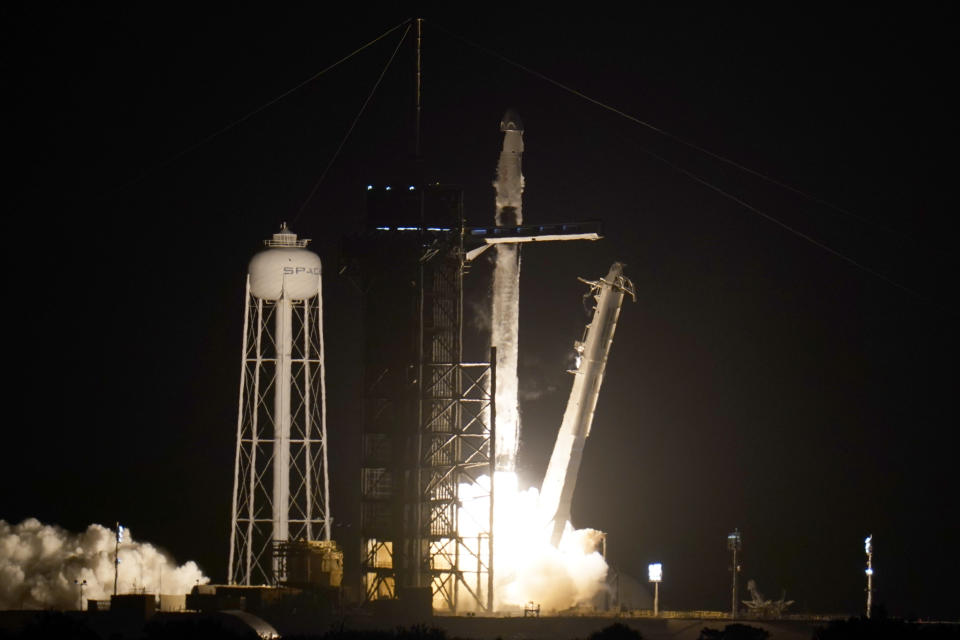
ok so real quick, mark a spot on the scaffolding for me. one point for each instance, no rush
(427, 414)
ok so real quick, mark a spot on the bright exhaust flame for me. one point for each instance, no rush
(527, 568)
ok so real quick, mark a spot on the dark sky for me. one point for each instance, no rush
(759, 382)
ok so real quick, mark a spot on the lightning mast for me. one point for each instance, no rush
(868, 549)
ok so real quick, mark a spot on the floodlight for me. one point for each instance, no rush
(734, 540)
(655, 571)
(868, 545)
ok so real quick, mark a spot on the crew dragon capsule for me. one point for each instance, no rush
(511, 121)
(509, 182)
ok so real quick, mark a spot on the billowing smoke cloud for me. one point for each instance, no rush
(40, 563)
(528, 568)
(560, 577)
(505, 336)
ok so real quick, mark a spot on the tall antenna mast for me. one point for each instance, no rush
(418, 89)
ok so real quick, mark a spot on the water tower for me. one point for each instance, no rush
(281, 489)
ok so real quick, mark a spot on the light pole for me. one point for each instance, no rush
(734, 544)
(868, 548)
(116, 557)
(82, 584)
(655, 572)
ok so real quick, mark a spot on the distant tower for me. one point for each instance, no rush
(281, 487)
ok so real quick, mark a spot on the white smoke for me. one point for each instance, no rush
(42, 565)
(560, 577)
(527, 567)
(505, 336)
(479, 315)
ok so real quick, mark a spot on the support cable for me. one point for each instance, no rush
(264, 106)
(353, 124)
(676, 138)
(796, 232)
(704, 181)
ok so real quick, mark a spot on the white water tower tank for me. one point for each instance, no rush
(281, 489)
(286, 266)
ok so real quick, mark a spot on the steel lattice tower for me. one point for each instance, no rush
(281, 485)
(426, 413)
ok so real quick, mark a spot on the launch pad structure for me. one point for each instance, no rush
(428, 416)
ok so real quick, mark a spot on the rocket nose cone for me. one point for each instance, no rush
(511, 121)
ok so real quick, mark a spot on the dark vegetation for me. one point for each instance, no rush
(70, 627)
(194, 629)
(616, 631)
(53, 624)
(416, 632)
(735, 632)
(883, 628)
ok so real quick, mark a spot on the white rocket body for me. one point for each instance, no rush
(506, 291)
(509, 182)
(556, 493)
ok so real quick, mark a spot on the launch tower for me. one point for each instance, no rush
(426, 412)
(431, 434)
(281, 489)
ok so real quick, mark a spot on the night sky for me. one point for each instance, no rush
(759, 381)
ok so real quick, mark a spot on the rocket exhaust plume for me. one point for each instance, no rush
(532, 564)
(528, 567)
(42, 565)
(506, 291)
(546, 559)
